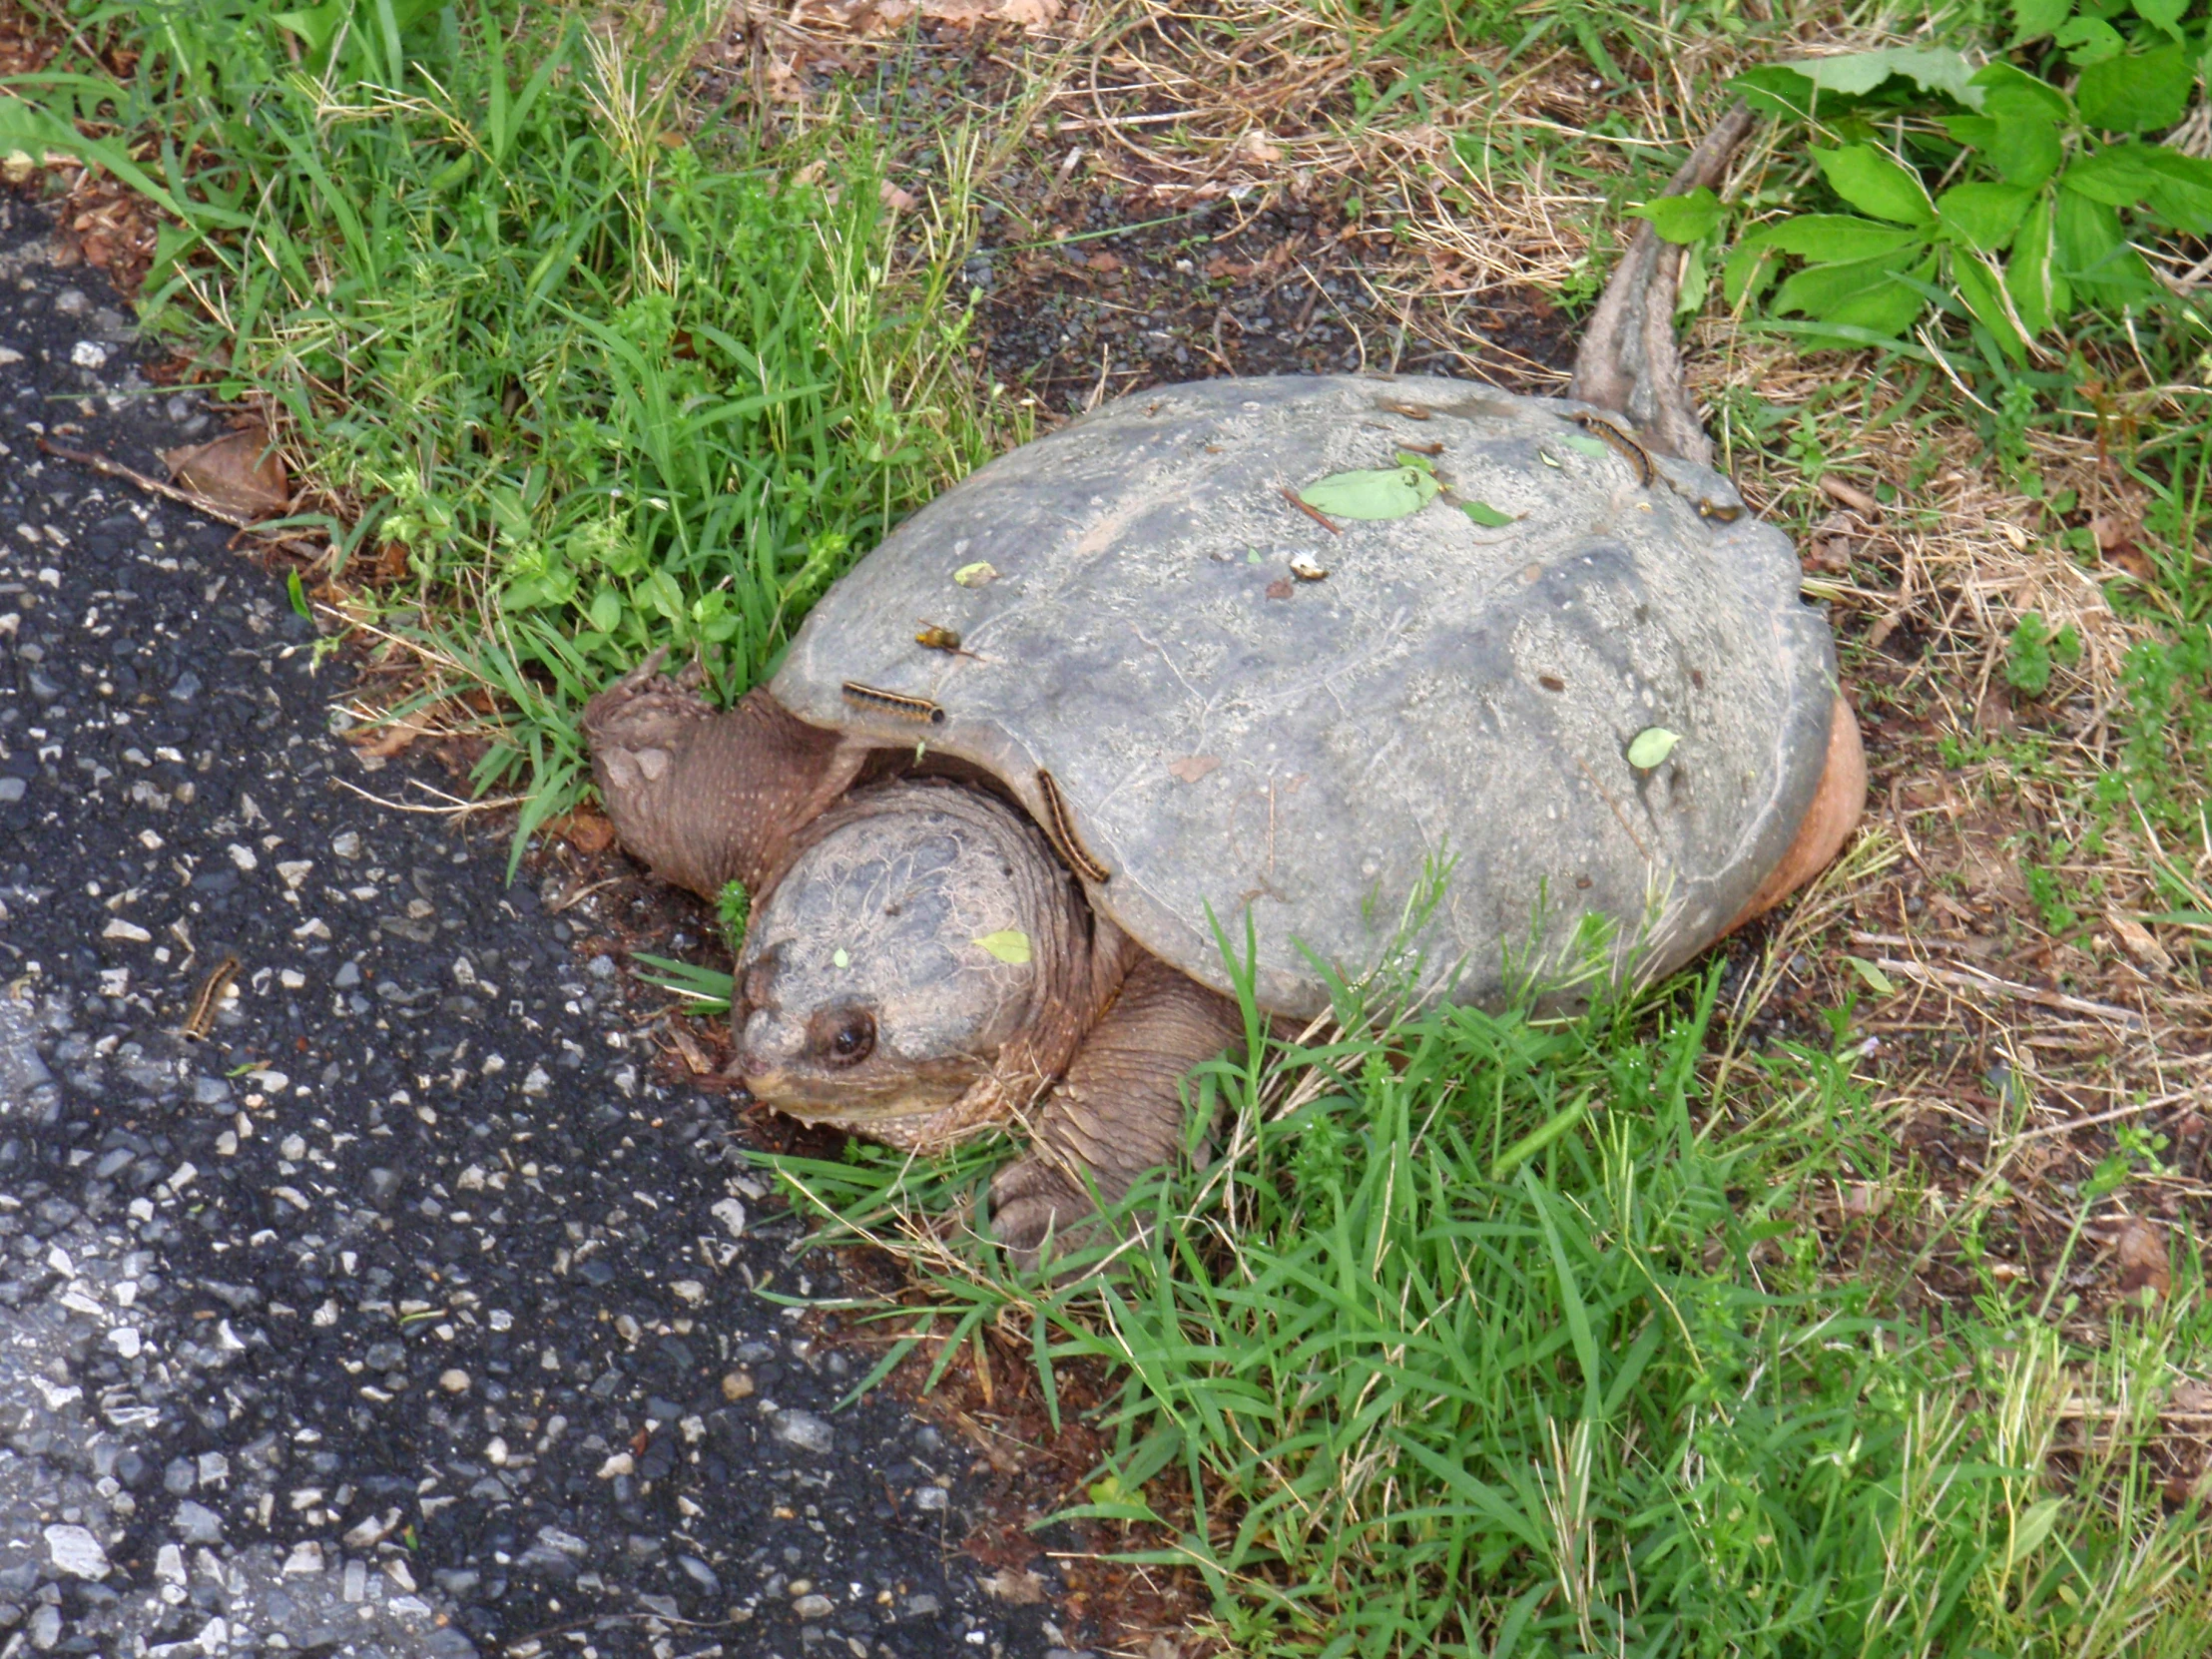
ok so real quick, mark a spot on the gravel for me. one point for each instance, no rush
(410, 1313)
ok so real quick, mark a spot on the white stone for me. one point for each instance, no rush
(304, 1560)
(242, 856)
(89, 353)
(125, 1341)
(118, 929)
(293, 871)
(730, 1213)
(76, 1551)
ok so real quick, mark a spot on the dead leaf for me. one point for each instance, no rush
(1279, 588)
(2115, 530)
(2141, 944)
(584, 830)
(385, 741)
(2140, 1249)
(898, 201)
(1192, 767)
(1106, 262)
(1260, 146)
(237, 472)
(695, 1058)
(2191, 1399)
(1015, 1588)
(1862, 1200)
(1221, 265)
(1993, 712)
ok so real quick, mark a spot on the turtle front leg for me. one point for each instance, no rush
(1118, 1112)
(1628, 361)
(701, 794)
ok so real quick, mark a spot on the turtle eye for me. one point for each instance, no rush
(850, 1038)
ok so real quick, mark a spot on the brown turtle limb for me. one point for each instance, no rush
(1628, 361)
(703, 796)
(1118, 1112)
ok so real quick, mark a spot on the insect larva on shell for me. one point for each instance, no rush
(1059, 829)
(897, 703)
(1633, 452)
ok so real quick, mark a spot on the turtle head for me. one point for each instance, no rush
(863, 997)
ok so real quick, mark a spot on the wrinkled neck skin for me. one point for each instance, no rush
(864, 998)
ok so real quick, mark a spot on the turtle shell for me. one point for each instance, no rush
(1419, 761)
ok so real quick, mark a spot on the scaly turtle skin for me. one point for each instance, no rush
(983, 876)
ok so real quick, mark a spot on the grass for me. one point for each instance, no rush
(574, 370)
(1488, 1335)
(1771, 1315)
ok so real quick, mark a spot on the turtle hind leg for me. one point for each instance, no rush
(1628, 361)
(703, 796)
(1117, 1113)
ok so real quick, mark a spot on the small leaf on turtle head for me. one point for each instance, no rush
(1383, 492)
(974, 575)
(1008, 945)
(838, 958)
(1651, 745)
(1251, 555)
(1877, 981)
(1416, 460)
(1487, 515)
(1584, 442)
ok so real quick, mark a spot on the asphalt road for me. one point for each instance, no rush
(410, 1312)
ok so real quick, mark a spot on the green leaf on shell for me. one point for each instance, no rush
(1407, 457)
(838, 958)
(1586, 445)
(1487, 515)
(1008, 945)
(974, 575)
(1384, 492)
(1651, 745)
(1877, 981)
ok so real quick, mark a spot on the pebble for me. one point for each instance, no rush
(454, 1380)
(805, 1433)
(76, 1551)
(813, 1607)
(196, 1523)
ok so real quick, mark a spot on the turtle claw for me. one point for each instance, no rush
(1033, 1198)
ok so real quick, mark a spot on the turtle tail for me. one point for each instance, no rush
(1628, 361)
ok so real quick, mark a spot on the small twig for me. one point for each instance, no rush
(116, 470)
(1310, 511)
(458, 808)
(580, 894)
(1974, 979)
(2113, 1116)
(1607, 796)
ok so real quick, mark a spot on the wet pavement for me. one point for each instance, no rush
(410, 1311)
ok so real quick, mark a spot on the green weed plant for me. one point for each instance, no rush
(1491, 1335)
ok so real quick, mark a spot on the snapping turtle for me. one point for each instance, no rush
(1122, 680)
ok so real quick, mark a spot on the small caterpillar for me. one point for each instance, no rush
(1633, 452)
(1059, 829)
(199, 1020)
(892, 702)
(1720, 512)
